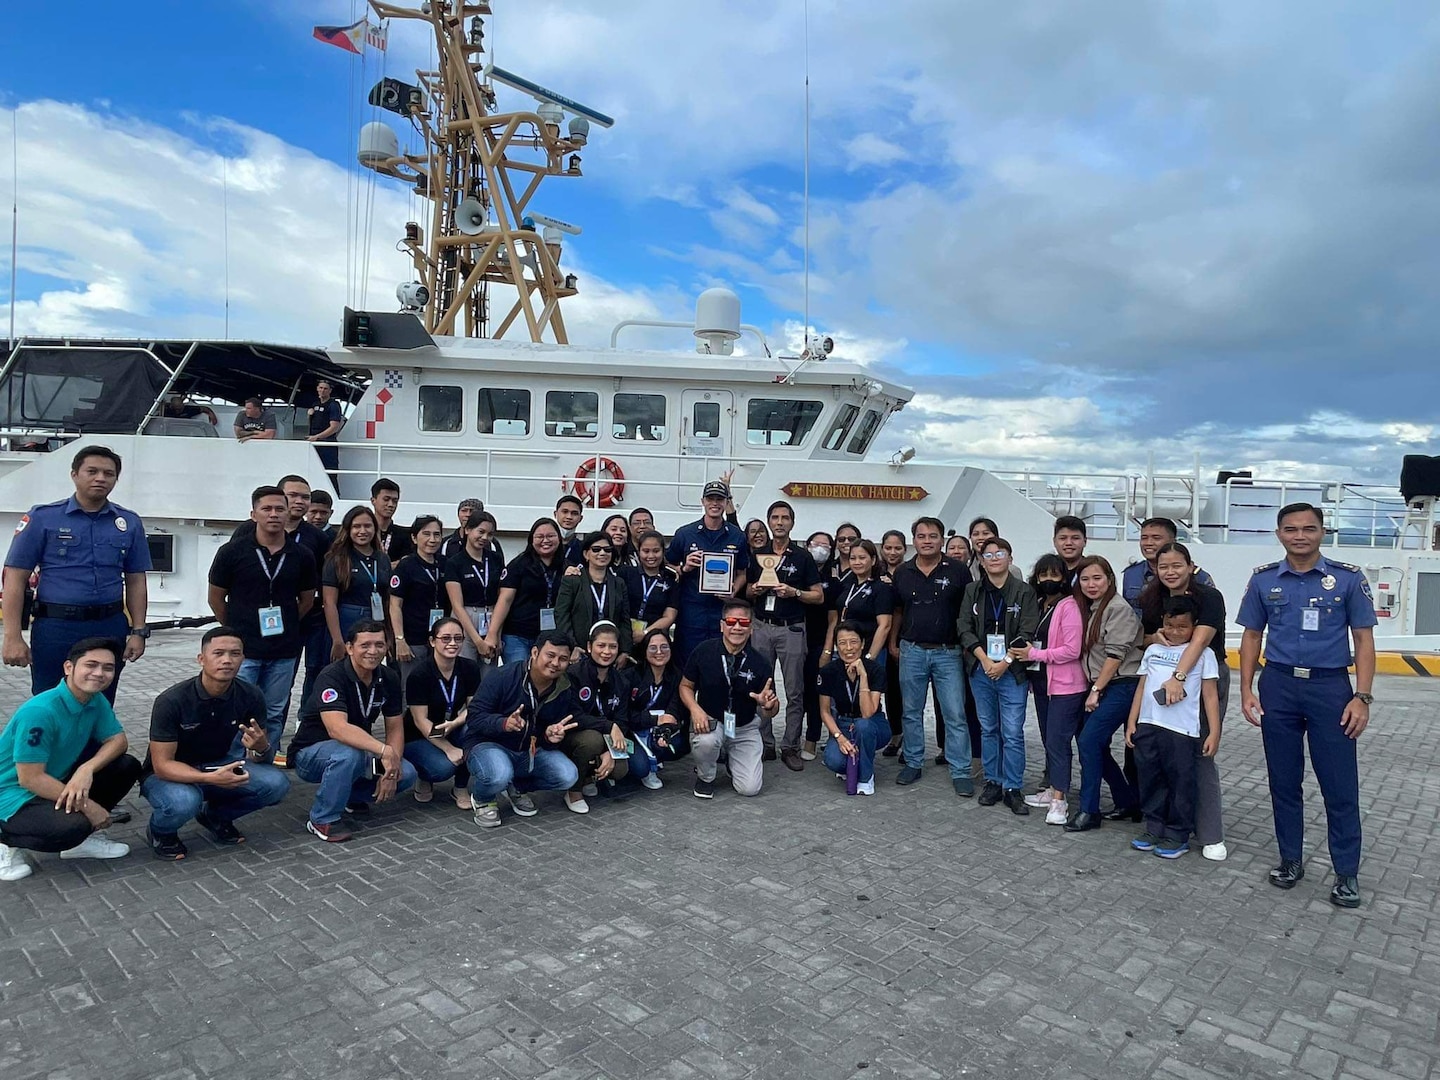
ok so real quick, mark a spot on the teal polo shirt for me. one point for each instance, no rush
(51, 729)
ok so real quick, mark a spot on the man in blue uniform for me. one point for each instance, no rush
(699, 613)
(1313, 609)
(1155, 533)
(326, 420)
(92, 559)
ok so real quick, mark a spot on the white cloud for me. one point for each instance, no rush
(867, 148)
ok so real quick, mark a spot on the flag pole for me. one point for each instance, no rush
(14, 213)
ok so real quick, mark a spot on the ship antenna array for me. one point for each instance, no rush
(806, 350)
(480, 168)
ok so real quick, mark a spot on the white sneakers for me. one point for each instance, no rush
(1215, 852)
(651, 781)
(866, 787)
(1058, 814)
(13, 866)
(97, 846)
(1041, 798)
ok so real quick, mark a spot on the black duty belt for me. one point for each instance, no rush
(1307, 672)
(76, 612)
(780, 622)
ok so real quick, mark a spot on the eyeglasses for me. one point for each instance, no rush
(659, 647)
(995, 556)
(451, 639)
(734, 621)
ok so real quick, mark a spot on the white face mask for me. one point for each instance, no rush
(819, 552)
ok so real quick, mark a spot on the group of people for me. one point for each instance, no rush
(592, 659)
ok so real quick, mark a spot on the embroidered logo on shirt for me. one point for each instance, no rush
(24, 520)
(585, 693)
(121, 524)
(329, 697)
(394, 581)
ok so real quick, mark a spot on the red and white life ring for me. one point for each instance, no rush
(611, 490)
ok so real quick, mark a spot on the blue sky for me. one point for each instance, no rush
(1083, 232)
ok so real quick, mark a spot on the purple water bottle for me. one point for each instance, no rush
(852, 773)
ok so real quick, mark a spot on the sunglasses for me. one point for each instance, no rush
(451, 639)
(734, 621)
(602, 549)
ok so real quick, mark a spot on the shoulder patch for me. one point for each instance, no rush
(1266, 566)
(329, 697)
(584, 693)
(394, 581)
(24, 520)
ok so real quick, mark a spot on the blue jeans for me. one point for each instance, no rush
(431, 764)
(343, 773)
(868, 735)
(641, 763)
(1096, 761)
(1000, 704)
(515, 650)
(918, 669)
(1066, 713)
(172, 804)
(274, 678)
(493, 768)
(317, 655)
(50, 642)
(349, 615)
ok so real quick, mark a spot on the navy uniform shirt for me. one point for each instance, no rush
(1278, 597)
(844, 694)
(697, 609)
(419, 586)
(204, 729)
(1138, 575)
(338, 689)
(322, 416)
(723, 683)
(930, 604)
(797, 569)
(82, 557)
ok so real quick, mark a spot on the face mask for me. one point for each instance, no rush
(1050, 588)
(819, 552)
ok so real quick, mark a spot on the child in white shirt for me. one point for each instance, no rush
(1166, 738)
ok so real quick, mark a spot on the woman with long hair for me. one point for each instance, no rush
(472, 581)
(617, 527)
(528, 589)
(595, 595)
(1114, 646)
(893, 545)
(437, 692)
(355, 582)
(665, 726)
(1175, 575)
(822, 548)
(1057, 680)
(757, 535)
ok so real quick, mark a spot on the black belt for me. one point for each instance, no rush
(1307, 672)
(780, 622)
(929, 644)
(76, 612)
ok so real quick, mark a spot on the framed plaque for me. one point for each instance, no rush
(717, 573)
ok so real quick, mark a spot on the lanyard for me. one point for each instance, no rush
(480, 571)
(534, 701)
(372, 568)
(857, 590)
(852, 690)
(997, 609)
(270, 575)
(550, 578)
(655, 692)
(449, 692)
(367, 707)
(600, 597)
(434, 576)
(647, 586)
(725, 659)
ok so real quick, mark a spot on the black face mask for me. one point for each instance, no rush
(1050, 588)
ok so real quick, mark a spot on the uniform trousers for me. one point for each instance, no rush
(784, 647)
(52, 639)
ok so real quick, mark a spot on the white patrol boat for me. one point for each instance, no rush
(441, 398)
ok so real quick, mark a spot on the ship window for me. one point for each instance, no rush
(572, 414)
(504, 411)
(707, 420)
(865, 433)
(441, 408)
(639, 417)
(836, 438)
(771, 422)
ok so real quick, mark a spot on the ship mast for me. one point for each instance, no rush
(480, 169)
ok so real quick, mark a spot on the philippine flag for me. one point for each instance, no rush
(350, 38)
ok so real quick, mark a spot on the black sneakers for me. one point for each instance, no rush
(167, 846)
(704, 789)
(1015, 800)
(992, 793)
(222, 832)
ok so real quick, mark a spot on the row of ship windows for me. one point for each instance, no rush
(575, 414)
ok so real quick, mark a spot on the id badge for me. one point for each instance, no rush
(377, 607)
(770, 602)
(637, 627)
(436, 614)
(482, 621)
(547, 618)
(995, 646)
(1310, 618)
(272, 622)
(729, 724)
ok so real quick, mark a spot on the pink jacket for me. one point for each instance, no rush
(1063, 671)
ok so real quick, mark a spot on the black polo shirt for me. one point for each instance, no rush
(650, 596)
(930, 604)
(323, 415)
(368, 574)
(1211, 613)
(442, 698)
(203, 728)
(748, 672)
(479, 581)
(609, 697)
(421, 590)
(797, 568)
(843, 694)
(337, 687)
(253, 578)
(305, 535)
(395, 542)
(863, 603)
(536, 586)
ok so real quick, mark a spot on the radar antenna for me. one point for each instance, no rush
(480, 169)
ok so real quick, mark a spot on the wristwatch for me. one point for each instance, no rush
(142, 632)
(1366, 699)
(1179, 676)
